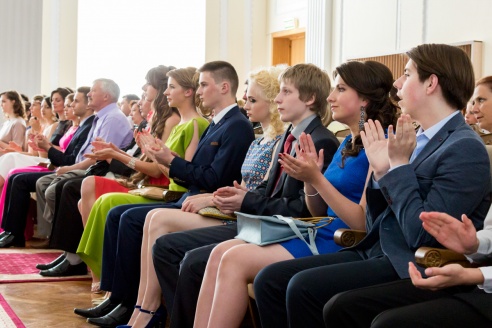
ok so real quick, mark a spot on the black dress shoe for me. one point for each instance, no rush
(52, 264)
(4, 234)
(65, 269)
(97, 311)
(11, 241)
(119, 316)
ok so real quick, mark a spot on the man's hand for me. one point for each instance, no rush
(376, 147)
(308, 164)
(229, 199)
(195, 203)
(63, 169)
(401, 143)
(447, 276)
(458, 236)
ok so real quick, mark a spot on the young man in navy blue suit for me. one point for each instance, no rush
(410, 175)
(302, 102)
(216, 163)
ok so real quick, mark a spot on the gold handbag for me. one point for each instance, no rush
(157, 193)
(214, 212)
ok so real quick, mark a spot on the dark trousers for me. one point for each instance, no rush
(67, 223)
(17, 198)
(121, 253)
(293, 293)
(180, 259)
(400, 304)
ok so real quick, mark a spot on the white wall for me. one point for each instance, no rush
(236, 32)
(387, 26)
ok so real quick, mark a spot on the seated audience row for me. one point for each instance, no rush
(383, 178)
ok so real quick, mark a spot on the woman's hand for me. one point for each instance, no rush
(101, 155)
(100, 144)
(14, 147)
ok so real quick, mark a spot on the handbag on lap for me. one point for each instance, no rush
(265, 230)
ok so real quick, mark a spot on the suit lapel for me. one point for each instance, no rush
(206, 136)
(276, 167)
(438, 139)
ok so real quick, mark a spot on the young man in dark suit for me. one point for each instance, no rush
(410, 175)
(302, 102)
(216, 163)
(448, 297)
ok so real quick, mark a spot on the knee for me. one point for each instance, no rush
(194, 264)
(264, 283)
(50, 192)
(338, 305)
(88, 186)
(391, 318)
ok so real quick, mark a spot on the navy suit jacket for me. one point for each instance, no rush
(287, 197)
(219, 156)
(59, 158)
(451, 174)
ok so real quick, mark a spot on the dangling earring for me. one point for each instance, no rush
(362, 116)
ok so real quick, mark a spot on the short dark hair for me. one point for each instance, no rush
(131, 96)
(451, 65)
(221, 71)
(84, 90)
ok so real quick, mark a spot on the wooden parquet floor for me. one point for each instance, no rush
(49, 304)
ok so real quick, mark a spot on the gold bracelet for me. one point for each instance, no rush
(316, 194)
(131, 163)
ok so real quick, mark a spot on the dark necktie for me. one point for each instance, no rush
(210, 127)
(287, 149)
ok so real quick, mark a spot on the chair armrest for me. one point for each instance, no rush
(427, 257)
(348, 237)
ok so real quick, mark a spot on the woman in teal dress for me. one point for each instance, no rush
(263, 86)
(361, 92)
(183, 139)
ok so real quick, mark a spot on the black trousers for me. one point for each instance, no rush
(293, 293)
(180, 259)
(67, 226)
(17, 198)
(400, 304)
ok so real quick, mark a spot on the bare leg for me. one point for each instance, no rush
(2, 182)
(162, 221)
(206, 297)
(88, 193)
(238, 267)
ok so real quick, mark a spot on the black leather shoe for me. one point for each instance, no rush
(11, 241)
(52, 264)
(65, 269)
(4, 234)
(119, 316)
(97, 311)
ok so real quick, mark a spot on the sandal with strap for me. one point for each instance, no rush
(157, 316)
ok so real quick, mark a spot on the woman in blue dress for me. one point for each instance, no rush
(361, 92)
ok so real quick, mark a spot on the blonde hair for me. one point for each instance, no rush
(268, 81)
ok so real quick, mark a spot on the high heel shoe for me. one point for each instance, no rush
(127, 326)
(158, 316)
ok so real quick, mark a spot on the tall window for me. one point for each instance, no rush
(123, 39)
